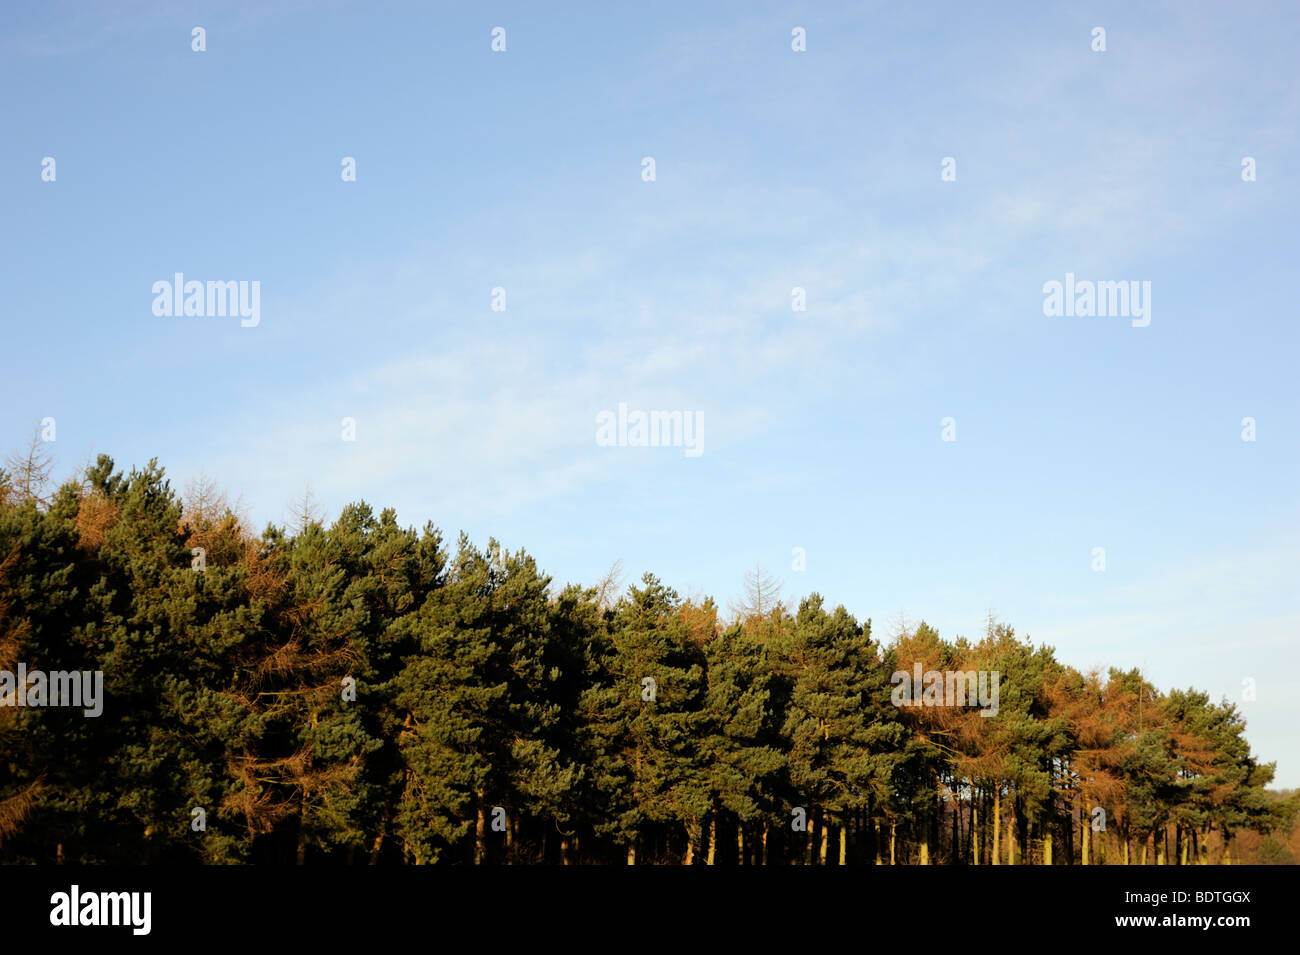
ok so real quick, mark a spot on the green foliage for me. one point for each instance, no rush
(354, 692)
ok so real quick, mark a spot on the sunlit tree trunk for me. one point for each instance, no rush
(844, 845)
(631, 851)
(713, 838)
(480, 829)
(997, 824)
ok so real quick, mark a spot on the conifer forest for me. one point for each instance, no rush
(360, 692)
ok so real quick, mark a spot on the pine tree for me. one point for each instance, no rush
(642, 721)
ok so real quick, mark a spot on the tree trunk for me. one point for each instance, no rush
(480, 847)
(997, 824)
(974, 832)
(893, 827)
(1011, 836)
(713, 838)
(740, 843)
(826, 833)
(764, 847)
(631, 851)
(844, 845)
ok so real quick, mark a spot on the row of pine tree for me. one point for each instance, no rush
(362, 693)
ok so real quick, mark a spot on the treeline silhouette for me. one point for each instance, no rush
(361, 693)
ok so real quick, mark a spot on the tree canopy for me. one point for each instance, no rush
(363, 692)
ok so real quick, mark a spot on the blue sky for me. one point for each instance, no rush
(774, 169)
